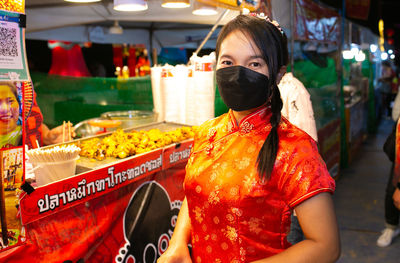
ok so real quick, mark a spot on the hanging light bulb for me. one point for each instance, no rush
(201, 9)
(116, 29)
(82, 1)
(175, 3)
(130, 5)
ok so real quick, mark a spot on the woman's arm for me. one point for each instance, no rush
(178, 251)
(56, 134)
(318, 222)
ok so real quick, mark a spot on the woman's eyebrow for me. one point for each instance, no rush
(256, 56)
(226, 56)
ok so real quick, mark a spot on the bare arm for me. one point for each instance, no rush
(56, 134)
(318, 221)
(178, 251)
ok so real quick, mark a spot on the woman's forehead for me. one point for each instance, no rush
(239, 42)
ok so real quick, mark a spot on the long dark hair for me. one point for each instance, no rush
(273, 46)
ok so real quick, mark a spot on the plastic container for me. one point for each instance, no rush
(48, 172)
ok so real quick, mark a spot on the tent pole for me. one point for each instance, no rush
(211, 31)
(292, 3)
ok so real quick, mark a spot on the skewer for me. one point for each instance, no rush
(63, 138)
(37, 144)
(69, 131)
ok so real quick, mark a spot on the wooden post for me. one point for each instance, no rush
(3, 219)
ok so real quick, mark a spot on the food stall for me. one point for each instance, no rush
(118, 201)
(121, 205)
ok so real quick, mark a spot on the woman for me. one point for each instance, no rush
(10, 130)
(249, 168)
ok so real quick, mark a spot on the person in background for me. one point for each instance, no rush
(392, 194)
(297, 109)
(37, 131)
(250, 168)
(385, 87)
(10, 122)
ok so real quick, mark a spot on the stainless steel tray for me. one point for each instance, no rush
(85, 164)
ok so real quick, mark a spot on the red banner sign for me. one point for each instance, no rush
(316, 22)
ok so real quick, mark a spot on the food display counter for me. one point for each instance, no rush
(121, 210)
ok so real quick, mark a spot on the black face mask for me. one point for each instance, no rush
(242, 88)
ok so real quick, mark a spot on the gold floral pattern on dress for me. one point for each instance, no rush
(246, 127)
(230, 127)
(235, 260)
(198, 259)
(209, 249)
(234, 191)
(213, 176)
(211, 134)
(230, 217)
(204, 227)
(198, 214)
(207, 237)
(243, 163)
(242, 252)
(216, 220)
(229, 174)
(248, 181)
(230, 233)
(224, 166)
(251, 149)
(213, 197)
(196, 238)
(209, 148)
(214, 237)
(254, 225)
(237, 211)
(198, 189)
(224, 246)
(217, 260)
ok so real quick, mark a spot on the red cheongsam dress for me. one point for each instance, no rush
(235, 217)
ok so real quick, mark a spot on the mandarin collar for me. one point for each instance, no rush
(252, 121)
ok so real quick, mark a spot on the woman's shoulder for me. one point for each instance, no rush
(212, 124)
(291, 132)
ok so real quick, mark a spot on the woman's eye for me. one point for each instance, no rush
(255, 64)
(226, 63)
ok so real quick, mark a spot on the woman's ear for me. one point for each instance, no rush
(281, 72)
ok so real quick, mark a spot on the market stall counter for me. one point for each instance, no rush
(121, 210)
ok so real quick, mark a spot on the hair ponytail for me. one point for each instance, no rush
(267, 155)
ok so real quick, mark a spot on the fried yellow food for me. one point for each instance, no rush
(122, 144)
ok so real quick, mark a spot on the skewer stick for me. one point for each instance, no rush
(69, 131)
(37, 144)
(63, 138)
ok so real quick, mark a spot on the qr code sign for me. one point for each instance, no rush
(8, 42)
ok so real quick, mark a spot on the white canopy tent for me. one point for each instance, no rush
(155, 27)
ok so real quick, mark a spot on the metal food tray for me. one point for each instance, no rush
(85, 164)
